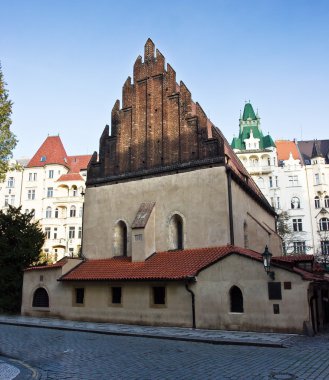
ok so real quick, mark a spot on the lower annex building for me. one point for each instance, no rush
(173, 227)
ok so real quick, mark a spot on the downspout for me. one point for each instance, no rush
(189, 280)
(230, 208)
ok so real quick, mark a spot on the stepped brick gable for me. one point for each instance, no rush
(158, 128)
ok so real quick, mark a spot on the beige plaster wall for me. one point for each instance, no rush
(199, 196)
(213, 301)
(245, 209)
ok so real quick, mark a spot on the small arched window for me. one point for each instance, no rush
(295, 202)
(324, 224)
(48, 212)
(120, 239)
(176, 232)
(73, 212)
(40, 298)
(56, 212)
(236, 300)
(317, 202)
(326, 201)
(245, 234)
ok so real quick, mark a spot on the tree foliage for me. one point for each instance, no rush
(21, 240)
(7, 138)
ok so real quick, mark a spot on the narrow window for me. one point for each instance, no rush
(120, 239)
(73, 211)
(79, 296)
(50, 192)
(56, 212)
(40, 298)
(48, 212)
(326, 201)
(274, 291)
(71, 232)
(236, 300)
(324, 224)
(50, 174)
(116, 294)
(55, 232)
(11, 182)
(317, 202)
(47, 232)
(80, 233)
(176, 232)
(159, 295)
(270, 179)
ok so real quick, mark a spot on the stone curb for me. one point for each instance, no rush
(215, 341)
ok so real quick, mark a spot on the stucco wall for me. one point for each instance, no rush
(245, 209)
(213, 300)
(199, 196)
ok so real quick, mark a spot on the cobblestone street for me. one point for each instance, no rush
(57, 354)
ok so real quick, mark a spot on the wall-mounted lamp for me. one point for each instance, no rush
(267, 255)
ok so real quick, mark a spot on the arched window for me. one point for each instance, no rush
(48, 212)
(295, 202)
(317, 202)
(73, 211)
(56, 212)
(326, 201)
(40, 298)
(176, 232)
(120, 239)
(74, 191)
(324, 224)
(245, 234)
(236, 300)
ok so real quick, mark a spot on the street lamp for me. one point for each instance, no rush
(267, 255)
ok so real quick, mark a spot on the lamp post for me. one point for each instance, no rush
(267, 255)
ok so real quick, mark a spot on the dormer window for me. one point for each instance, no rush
(43, 158)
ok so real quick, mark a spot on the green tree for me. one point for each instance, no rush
(21, 240)
(7, 138)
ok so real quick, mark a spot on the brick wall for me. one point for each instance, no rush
(158, 126)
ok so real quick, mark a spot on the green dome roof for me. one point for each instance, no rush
(248, 112)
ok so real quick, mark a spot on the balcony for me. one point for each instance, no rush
(258, 169)
(67, 199)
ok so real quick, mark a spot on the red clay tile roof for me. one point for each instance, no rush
(77, 163)
(70, 177)
(284, 148)
(56, 265)
(169, 265)
(50, 152)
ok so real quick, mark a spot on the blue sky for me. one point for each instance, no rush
(65, 62)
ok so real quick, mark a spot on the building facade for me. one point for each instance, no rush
(52, 185)
(294, 177)
(173, 226)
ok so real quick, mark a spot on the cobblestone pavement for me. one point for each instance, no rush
(61, 354)
(173, 333)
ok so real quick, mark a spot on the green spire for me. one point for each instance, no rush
(248, 112)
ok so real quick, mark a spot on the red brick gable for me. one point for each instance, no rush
(158, 128)
(50, 152)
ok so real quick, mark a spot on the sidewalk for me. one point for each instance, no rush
(172, 333)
